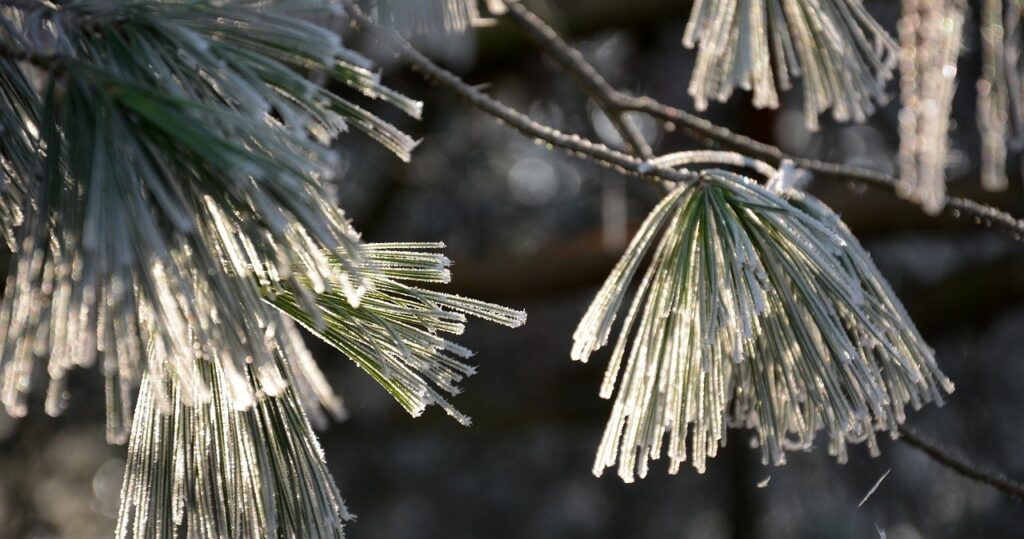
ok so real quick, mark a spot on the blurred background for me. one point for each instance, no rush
(539, 230)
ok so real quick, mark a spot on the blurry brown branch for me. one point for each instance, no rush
(962, 466)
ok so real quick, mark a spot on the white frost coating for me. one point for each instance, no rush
(193, 197)
(218, 472)
(395, 332)
(755, 311)
(841, 54)
(164, 242)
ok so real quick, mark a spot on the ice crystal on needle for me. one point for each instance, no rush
(841, 54)
(206, 457)
(217, 471)
(395, 334)
(185, 163)
(167, 196)
(752, 313)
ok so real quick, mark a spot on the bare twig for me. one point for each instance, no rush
(575, 144)
(583, 74)
(962, 466)
(956, 206)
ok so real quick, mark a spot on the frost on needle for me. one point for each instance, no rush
(754, 311)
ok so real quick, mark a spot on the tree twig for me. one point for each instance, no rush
(616, 104)
(983, 214)
(584, 74)
(961, 465)
(575, 144)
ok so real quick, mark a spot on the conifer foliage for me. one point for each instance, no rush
(167, 170)
(755, 311)
(167, 173)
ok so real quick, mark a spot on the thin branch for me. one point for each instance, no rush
(617, 104)
(575, 144)
(982, 214)
(583, 74)
(961, 465)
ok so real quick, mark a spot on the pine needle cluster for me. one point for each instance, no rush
(755, 311)
(168, 198)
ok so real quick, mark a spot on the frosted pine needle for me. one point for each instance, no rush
(931, 33)
(160, 192)
(841, 54)
(751, 313)
(395, 334)
(179, 164)
(226, 450)
(209, 470)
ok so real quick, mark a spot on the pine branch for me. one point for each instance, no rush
(959, 207)
(574, 144)
(962, 465)
(758, 309)
(616, 104)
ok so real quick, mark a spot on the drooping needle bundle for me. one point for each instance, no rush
(167, 195)
(841, 54)
(754, 312)
(223, 467)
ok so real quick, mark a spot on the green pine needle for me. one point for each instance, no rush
(754, 312)
(394, 333)
(214, 471)
(179, 162)
(841, 54)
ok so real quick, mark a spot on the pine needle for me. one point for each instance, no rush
(754, 311)
(841, 54)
